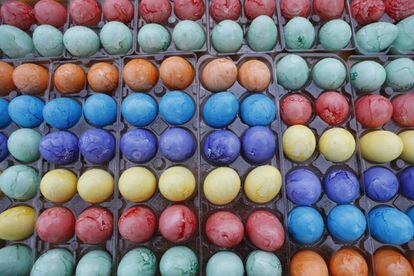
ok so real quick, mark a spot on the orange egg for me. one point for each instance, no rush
(69, 78)
(176, 73)
(219, 74)
(6, 78)
(390, 262)
(140, 75)
(308, 263)
(31, 78)
(254, 75)
(103, 77)
(347, 262)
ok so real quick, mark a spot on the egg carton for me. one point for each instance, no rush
(241, 205)
(244, 24)
(173, 20)
(317, 22)
(327, 245)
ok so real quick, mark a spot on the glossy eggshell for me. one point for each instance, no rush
(294, 8)
(224, 229)
(254, 8)
(58, 185)
(90, 41)
(95, 185)
(189, 9)
(176, 73)
(263, 184)
(54, 262)
(137, 184)
(221, 147)
(96, 262)
(299, 34)
(404, 42)
(367, 11)
(177, 183)
(15, 43)
(118, 10)
(19, 182)
(295, 109)
(138, 261)
(219, 74)
(154, 38)
(177, 223)
(23, 144)
(139, 145)
(55, 225)
(140, 75)
(225, 263)
(50, 12)
(188, 36)
(97, 146)
(328, 9)
(399, 9)
(94, 225)
(227, 36)
(403, 114)
(373, 110)
(400, 74)
(223, 9)
(407, 138)
(155, 11)
(179, 260)
(85, 12)
(388, 261)
(332, 107)
(380, 146)
(221, 185)
(48, 41)
(292, 72)
(337, 144)
(103, 77)
(259, 262)
(18, 14)
(376, 37)
(6, 78)
(299, 143)
(367, 76)
(348, 261)
(335, 34)
(60, 147)
(116, 38)
(17, 223)
(329, 73)
(31, 78)
(308, 262)
(262, 34)
(137, 224)
(69, 78)
(15, 259)
(254, 75)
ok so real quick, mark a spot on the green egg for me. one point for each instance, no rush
(116, 38)
(154, 38)
(329, 73)
(20, 182)
(292, 72)
(138, 261)
(367, 76)
(400, 74)
(15, 43)
(260, 263)
(179, 260)
(405, 38)
(15, 260)
(299, 34)
(225, 263)
(227, 36)
(376, 37)
(188, 36)
(23, 144)
(54, 262)
(81, 41)
(95, 263)
(262, 34)
(48, 41)
(335, 34)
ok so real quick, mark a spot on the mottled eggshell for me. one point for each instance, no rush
(103, 77)
(138, 261)
(292, 72)
(118, 10)
(177, 144)
(176, 73)
(221, 147)
(177, 183)
(48, 41)
(407, 138)
(31, 78)
(373, 110)
(404, 41)
(299, 143)
(295, 109)
(55, 225)
(299, 34)
(96, 262)
(376, 37)
(341, 185)
(220, 109)
(258, 110)
(139, 145)
(17, 223)
(219, 74)
(189, 9)
(227, 36)
(380, 183)
(59, 147)
(332, 107)
(337, 144)
(50, 12)
(58, 185)
(54, 262)
(81, 41)
(263, 263)
(305, 225)
(400, 74)
(85, 12)
(69, 78)
(328, 9)
(399, 9)
(263, 184)
(140, 74)
(367, 76)
(258, 144)
(177, 107)
(335, 34)
(403, 113)
(346, 223)
(137, 224)
(221, 185)
(155, 11)
(255, 8)
(177, 223)
(179, 260)
(116, 38)
(154, 38)
(308, 262)
(380, 146)
(23, 144)
(188, 36)
(225, 263)
(26, 111)
(262, 34)
(254, 75)
(367, 11)
(94, 225)
(15, 260)
(18, 14)
(348, 261)
(224, 229)
(329, 73)
(6, 78)
(224, 9)
(303, 186)
(389, 261)
(139, 109)
(294, 8)
(14, 42)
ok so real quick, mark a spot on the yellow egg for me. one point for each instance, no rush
(262, 184)
(407, 138)
(177, 183)
(17, 223)
(221, 185)
(298, 143)
(95, 185)
(137, 184)
(381, 146)
(337, 144)
(58, 185)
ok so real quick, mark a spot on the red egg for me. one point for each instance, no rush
(177, 223)
(403, 113)
(367, 11)
(18, 14)
(225, 9)
(373, 110)
(295, 109)
(293, 8)
(189, 9)
(137, 224)
(399, 9)
(265, 230)
(85, 12)
(224, 229)
(254, 8)
(50, 12)
(328, 9)
(332, 107)
(118, 10)
(155, 11)
(94, 225)
(55, 225)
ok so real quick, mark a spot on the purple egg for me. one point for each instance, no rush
(341, 185)
(139, 145)
(97, 145)
(177, 144)
(303, 187)
(221, 147)
(4, 152)
(407, 182)
(60, 147)
(380, 183)
(258, 144)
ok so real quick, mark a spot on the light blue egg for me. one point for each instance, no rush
(329, 73)
(262, 34)
(188, 36)
(400, 74)
(405, 39)
(227, 36)
(225, 263)
(100, 110)
(177, 107)
(95, 263)
(220, 109)
(15, 260)
(116, 38)
(262, 263)
(48, 41)
(14, 42)
(335, 34)
(154, 38)
(367, 76)
(54, 262)
(299, 34)
(81, 41)
(138, 261)
(292, 72)
(139, 109)
(20, 182)
(376, 37)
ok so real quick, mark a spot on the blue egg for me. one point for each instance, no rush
(5, 119)
(177, 144)
(341, 185)
(390, 225)
(139, 109)
(258, 110)
(26, 111)
(100, 110)
(380, 183)
(139, 145)
(97, 145)
(305, 225)
(220, 109)
(4, 152)
(346, 223)
(60, 147)
(221, 147)
(407, 182)
(177, 107)
(410, 214)
(303, 187)
(62, 113)
(258, 144)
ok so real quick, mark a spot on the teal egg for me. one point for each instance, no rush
(95, 263)
(48, 41)
(116, 38)
(20, 182)
(292, 72)
(335, 34)
(262, 34)
(376, 37)
(23, 144)
(400, 74)
(227, 36)
(81, 41)
(138, 261)
(329, 73)
(367, 76)
(14, 42)
(179, 260)
(262, 263)
(405, 38)
(225, 263)
(299, 34)
(154, 38)
(15, 260)
(54, 262)
(188, 36)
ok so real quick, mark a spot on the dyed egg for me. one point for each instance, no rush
(224, 229)
(62, 113)
(346, 223)
(341, 185)
(258, 144)
(55, 225)
(6, 78)
(400, 9)
(335, 34)
(263, 263)
(139, 109)
(295, 109)
(367, 76)
(18, 14)
(176, 73)
(403, 114)
(58, 185)
(262, 34)
(308, 262)
(177, 183)
(263, 184)
(227, 36)
(50, 12)
(329, 73)
(177, 223)
(177, 107)
(140, 74)
(299, 34)
(85, 12)
(292, 72)
(54, 262)
(328, 9)
(23, 144)
(404, 42)
(153, 38)
(294, 8)
(258, 110)
(303, 186)
(221, 147)
(26, 111)
(15, 260)
(155, 11)
(90, 41)
(388, 261)
(138, 261)
(337, 144)
(222, 185)
(118, 10)
(347, 261)
(253, 9)
(69, 78)
(100, 110)
(407, 137)
(299, 143)
(96, 262)
(31, 78)
(367, 11)
(14, 42)
(222, 9)
(406, 179)
(137, 224)
(254, 75)
(332, 107)
(381, 146)
(20, 182)
(4, 152)
(189, 9)
(305, 225)
(373, 110)
(60, 147)
(95, 185)
(177, 144)
(103, 77)
(380, 183)
(225, 262)
(219, 74)
(17, 223)
(188, 36)
(97, 145)
(376, 37)
(139, 145)
(116, 38)
(400, 74)
(220, 109)
(48, 41)
(179, 260)
(94, 225)
(137, 184)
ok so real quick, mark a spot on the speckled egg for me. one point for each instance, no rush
(292, 72)
(103, 77)
(400, 74)
(299, 34)
(116, 38)
(154, 38)
(262, 34)
(367, 76)
(81, 41)
(48, 41)
(31, 78)
(380, 146)
(329, 73)
(14, 42)
(69, 78)
(219, 74)
(335, 35)
(227, 36)
(376, 37)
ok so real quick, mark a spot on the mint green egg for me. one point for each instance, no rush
(116, 38)
(54, 262)
(292, 72)
(81, 41)
(227, 36)
(329, 73)
(154, 38)
(179, 261)
(23, 144)
(15, 43)
(262, 34)
(138, 261)
(335, 34)
(405, 39)
(188, 35)
(367, 76)
(225, 263)
(20, 182)
(400, 74)
(299, 34)
(15, 260)
(262, 263)
(48, 41)
(95, 263)
(376, 37)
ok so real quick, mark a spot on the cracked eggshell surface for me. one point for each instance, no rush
(54, 262)
(263, 263)
(400, 74)
(367, 76)
(308, 262)
(381, 146)
(15, 259)
(329, 73)
(376, 37)
(219, 74)
(347, 261)
(81, 41)
(94, 225)
(373, 110)
(103, 77)
(20, 182)
(31, 78)
(26, 111)
(97, 145)
(224, 229)
(405, 38)
(48, 41)
(179, 260)
(6, 78)
(138, 261)
(137, 224)
(14, 42)
(221, 147)
(177, 223)
(299, 143)
(62, 113)
(17, 223)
